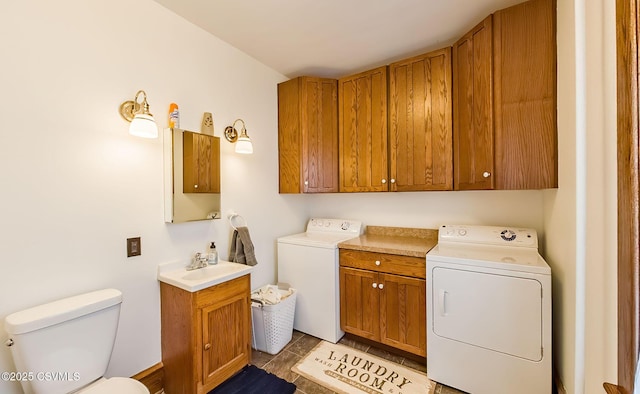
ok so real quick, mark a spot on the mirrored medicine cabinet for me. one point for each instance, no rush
(191, 176)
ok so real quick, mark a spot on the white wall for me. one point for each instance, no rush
(580, 216)
(76, 185)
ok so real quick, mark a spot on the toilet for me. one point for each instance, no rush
(66, 345)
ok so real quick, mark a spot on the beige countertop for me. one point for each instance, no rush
(415, 242)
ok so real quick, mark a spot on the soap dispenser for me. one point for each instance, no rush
(212, 257)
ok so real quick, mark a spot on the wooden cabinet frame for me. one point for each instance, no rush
(205, 336)
(383, 298)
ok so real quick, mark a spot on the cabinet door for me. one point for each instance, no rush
(201, 157)
(525, 96)
(362, 129)
(403, 313)
(319, 118)
(226, 332)
(473, 109)
(289, 137)
(359, 303)
(308, 135)
(420, 124)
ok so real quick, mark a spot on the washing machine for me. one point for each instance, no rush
(489, 311)
(309, 263)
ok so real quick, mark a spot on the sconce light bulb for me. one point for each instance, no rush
(143, 125)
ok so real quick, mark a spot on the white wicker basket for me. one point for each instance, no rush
(273, 324)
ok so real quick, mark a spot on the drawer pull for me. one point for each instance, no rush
(377, 262)
(207, 346)
(375, 285)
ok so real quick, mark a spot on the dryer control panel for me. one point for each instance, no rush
(342, 226)
(488, 235)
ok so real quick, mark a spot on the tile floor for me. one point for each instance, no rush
(301, 344)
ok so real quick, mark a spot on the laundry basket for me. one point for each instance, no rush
(273, 324)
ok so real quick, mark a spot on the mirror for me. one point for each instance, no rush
(191, 176)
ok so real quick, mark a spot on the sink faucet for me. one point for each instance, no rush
(198, 261)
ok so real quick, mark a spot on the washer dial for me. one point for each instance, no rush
(508, 235)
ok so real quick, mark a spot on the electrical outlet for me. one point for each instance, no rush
(134, 247)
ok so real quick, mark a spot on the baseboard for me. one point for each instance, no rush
(152, 377)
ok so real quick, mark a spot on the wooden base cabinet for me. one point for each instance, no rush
(206, 335)
(383, 298)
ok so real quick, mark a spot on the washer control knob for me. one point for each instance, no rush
(508, 235)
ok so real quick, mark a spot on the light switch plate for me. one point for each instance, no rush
(134, 247)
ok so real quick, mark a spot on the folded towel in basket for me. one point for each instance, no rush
(241, 247)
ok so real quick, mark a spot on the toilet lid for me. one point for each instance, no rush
(116, 385)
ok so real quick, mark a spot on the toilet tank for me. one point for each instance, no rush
(65, 344)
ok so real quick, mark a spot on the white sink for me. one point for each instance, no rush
(176, 274)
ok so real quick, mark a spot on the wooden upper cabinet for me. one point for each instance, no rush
(473, 109)
(201, 155)
(308, 135)
(524, 47)
(504, 78)
(362, 127)
(420, 123)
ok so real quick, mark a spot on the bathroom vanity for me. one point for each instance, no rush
(206, 333)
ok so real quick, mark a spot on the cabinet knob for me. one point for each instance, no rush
(375, 285)
(384, 181)
(377, 262)
(486, 174)
(195, 186)
(306, 183)
(207, 346)
(393, 180)
(380, 286)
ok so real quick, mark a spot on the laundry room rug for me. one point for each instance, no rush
(348, 371)
(253, 380)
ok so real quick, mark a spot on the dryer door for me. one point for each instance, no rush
(497, 312)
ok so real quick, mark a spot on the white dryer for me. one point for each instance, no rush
(308, 262)
(489, 311)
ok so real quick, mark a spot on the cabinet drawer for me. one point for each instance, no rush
(382, 262)
(223, 291)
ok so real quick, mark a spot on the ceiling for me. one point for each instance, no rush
(334, 38)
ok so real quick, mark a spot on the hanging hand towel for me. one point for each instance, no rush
(242, 248)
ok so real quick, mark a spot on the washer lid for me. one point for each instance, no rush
(504, 258)
(318, 240)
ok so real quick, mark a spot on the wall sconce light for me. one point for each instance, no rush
(243, 142)
(142, 122)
